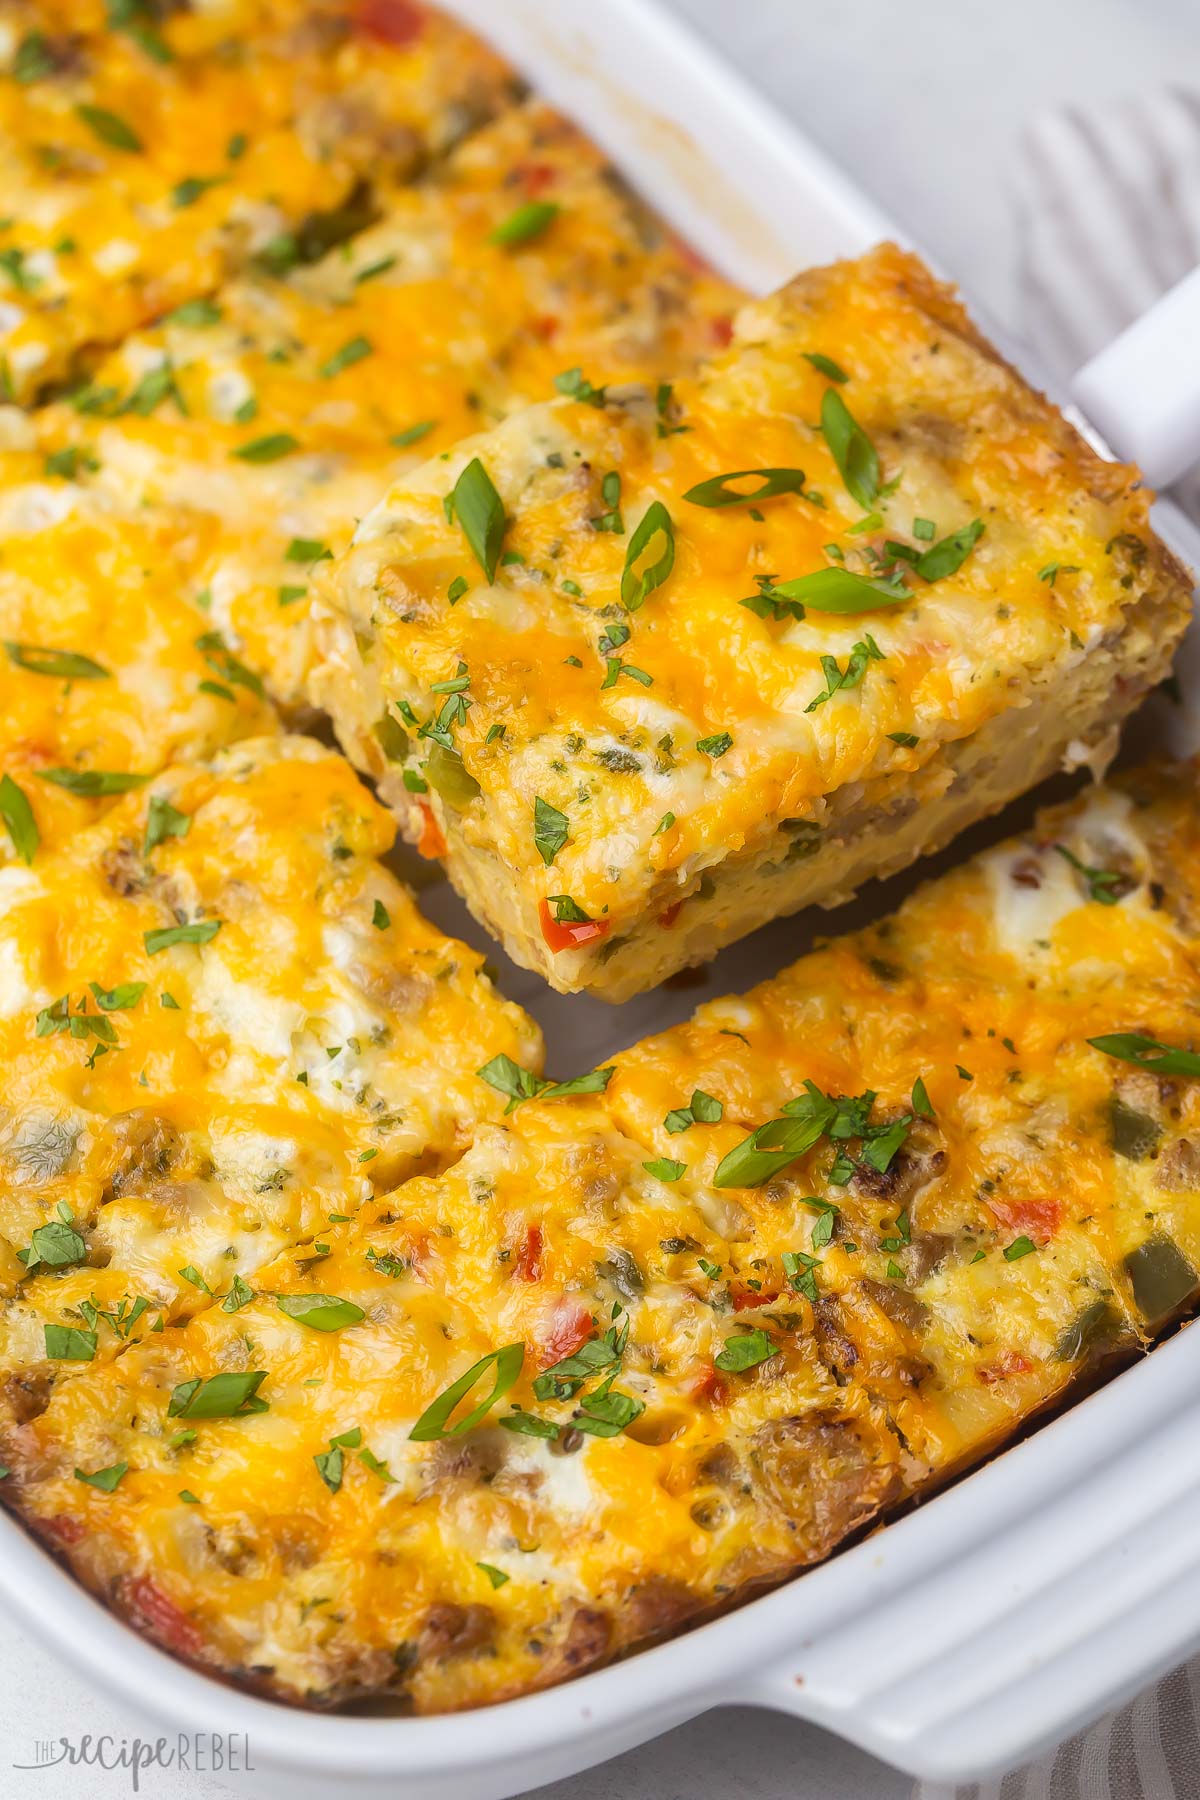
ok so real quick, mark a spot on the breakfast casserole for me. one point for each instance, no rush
(650, 666)
(223, 1024)
(146, 150)
(275, 412)
(654, 1343)
(342, 1352)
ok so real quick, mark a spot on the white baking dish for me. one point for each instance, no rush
(1041, 1590)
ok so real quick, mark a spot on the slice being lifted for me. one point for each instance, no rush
(641, 1350)
(221, 1022)
(657, 667)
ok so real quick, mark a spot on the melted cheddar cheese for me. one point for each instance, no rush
(106, 673)
(649, 697)
(222, 1022)
(270, 416)
(639, 1351)
(143, 159)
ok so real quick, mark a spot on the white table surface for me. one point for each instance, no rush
(923, 104)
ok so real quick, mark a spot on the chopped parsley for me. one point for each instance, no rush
(104, 1479)
(807, 1119)
(866, 650)
(551, 830)
(575, 385)
(1102, 884)
(1052, 570)
(508, 1077)
(233, 1395)
(110, 128)
(193, 188)
(163, 821)
(66, 1343)
(702, 1109)
(745, 1351)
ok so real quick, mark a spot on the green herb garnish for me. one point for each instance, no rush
(434, 1422)
(525, 224)
(551, 829)
(320, 1312)
(480, 511)
(18, 818)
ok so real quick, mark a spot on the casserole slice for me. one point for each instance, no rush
(276, 411)
(653, 1344)
(668, 664)
(222, 1022)
(143, 158)
(106, 673)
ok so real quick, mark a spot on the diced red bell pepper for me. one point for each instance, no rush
(1038, 1219)
(570, 934)
(431, 842)
(528, 1265)
(569, 1326)
(398, 22)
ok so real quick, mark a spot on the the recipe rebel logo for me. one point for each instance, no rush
(226, 1754)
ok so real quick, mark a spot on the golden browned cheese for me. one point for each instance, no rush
(269, 417)
(142, 159)
(645, 1348)
(646, 706)
(223, 1023)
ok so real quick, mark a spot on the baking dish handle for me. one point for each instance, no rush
(1011, 1611)
(1142, 392)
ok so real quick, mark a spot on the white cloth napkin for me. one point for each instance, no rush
(1108, 207)
(1108, 214)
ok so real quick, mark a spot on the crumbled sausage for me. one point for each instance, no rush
(899, 1305)
(124, 869)
(147, 1148)
(586, 1642)
(1178, 1168)
(449, 1630)
(657, 1606)
(824, 1472)
(26, 1393)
